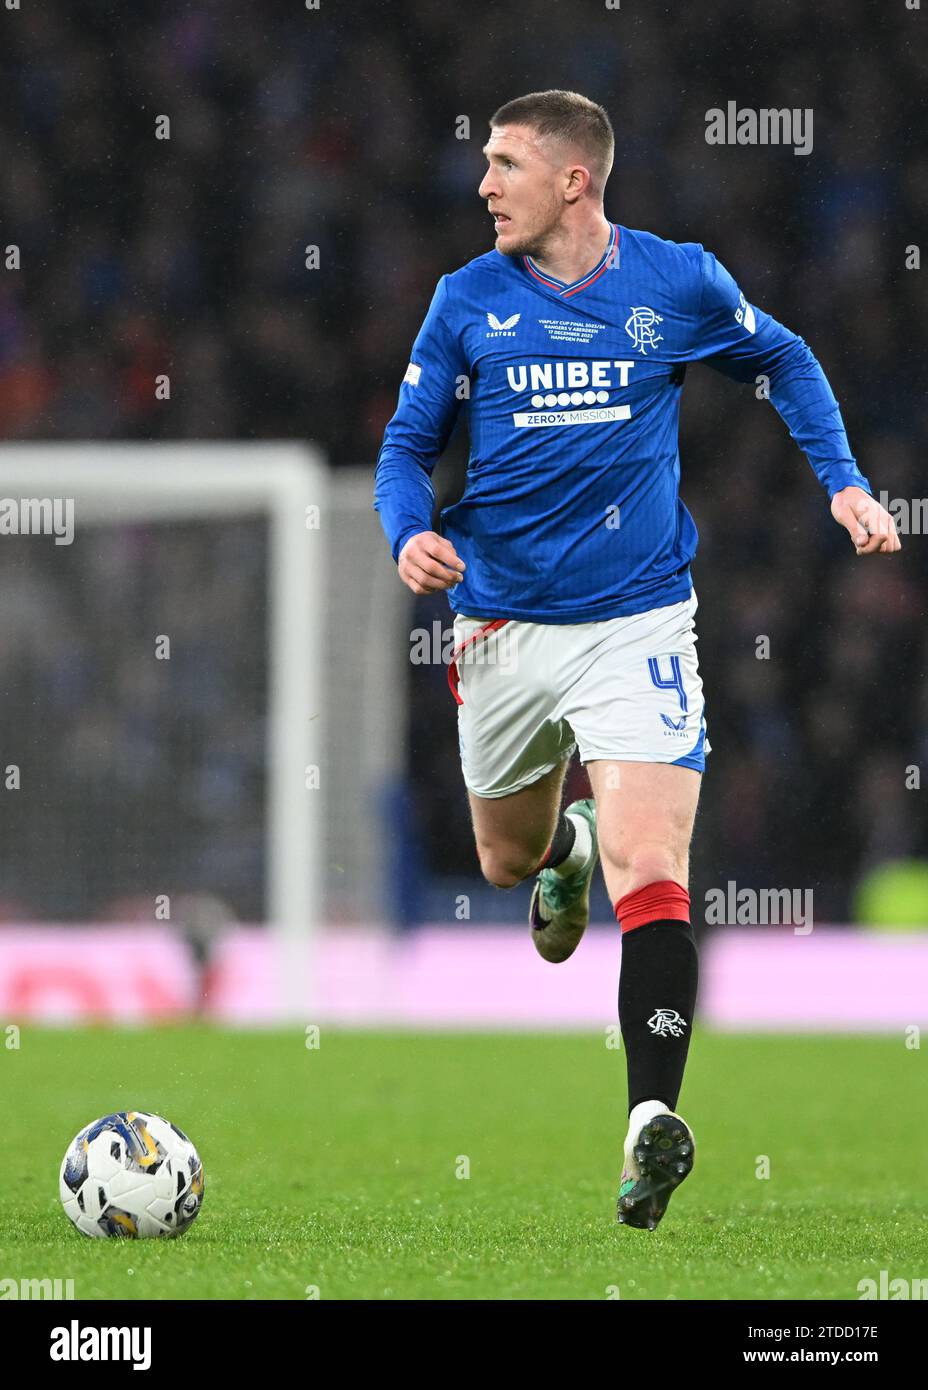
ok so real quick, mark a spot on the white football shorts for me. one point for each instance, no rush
(621, 689)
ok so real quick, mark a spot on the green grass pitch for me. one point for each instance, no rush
(336, 1168)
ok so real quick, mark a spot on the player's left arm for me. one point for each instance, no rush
(748, 345)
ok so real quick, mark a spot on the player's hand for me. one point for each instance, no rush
(428, 563)
(869, 525)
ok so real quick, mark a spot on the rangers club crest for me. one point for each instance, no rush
(640, 328)
(667, 1023)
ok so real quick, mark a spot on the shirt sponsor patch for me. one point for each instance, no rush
(744, 314)
(544, 419)
(413, 373)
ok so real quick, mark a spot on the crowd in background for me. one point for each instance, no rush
(293, 128)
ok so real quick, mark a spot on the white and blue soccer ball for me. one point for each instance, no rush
(131, 1174)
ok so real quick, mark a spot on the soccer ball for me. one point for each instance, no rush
(131, 1174)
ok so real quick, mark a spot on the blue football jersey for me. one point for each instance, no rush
(571, 393)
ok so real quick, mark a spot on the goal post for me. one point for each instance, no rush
(127, 482)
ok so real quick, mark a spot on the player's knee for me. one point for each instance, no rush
(504, 866)
(651, 864)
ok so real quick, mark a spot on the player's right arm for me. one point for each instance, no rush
(430, 399)
(429, 563)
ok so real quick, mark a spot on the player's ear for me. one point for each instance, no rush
(578, 181)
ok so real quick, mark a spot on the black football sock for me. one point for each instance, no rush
(561, 844)
(657, 996)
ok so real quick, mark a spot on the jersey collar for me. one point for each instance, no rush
(610, 257)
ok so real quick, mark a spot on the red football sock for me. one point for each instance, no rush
(656, 902)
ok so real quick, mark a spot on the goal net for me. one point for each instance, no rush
(198, 673)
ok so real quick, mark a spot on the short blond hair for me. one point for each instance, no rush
(570, 118)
